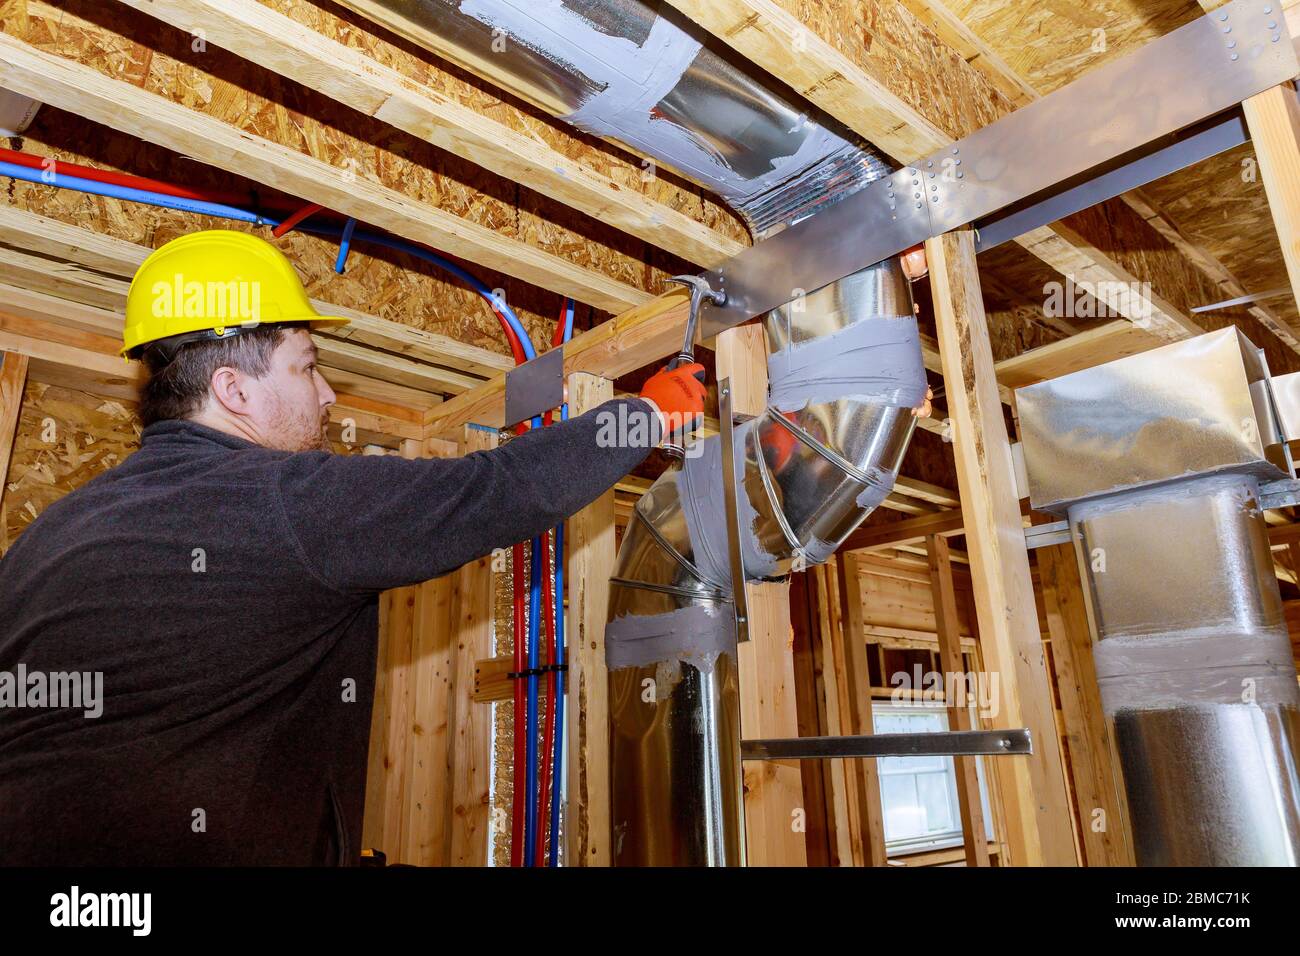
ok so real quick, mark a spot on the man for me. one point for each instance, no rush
(224, 582)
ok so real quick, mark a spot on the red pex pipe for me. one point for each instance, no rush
(299, 216)
(123, 179)
(548, 735)
(517, 798)
(548, 604)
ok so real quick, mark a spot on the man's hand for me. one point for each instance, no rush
(925, 408)
(678, 396)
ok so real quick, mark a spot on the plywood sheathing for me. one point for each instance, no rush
(1220, 205)
(904, 56)
(134, 48)
(1052, 43)
(64, 439)
(386, 284)
(1123, 235)
(444, 78)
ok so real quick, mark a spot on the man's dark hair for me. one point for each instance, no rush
(179, 377)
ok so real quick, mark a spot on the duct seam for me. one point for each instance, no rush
(764, 474)
(690, 595)
(677, 556)
(827, 453)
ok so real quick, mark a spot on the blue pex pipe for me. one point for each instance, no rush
(411, 248)
(113, 191)
(221, 211)
(344, 243)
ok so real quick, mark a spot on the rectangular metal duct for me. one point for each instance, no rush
(1156, 459)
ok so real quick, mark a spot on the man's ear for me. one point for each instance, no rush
(228, 386)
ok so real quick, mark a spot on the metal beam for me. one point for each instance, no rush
(956, 743)
(1173, 82)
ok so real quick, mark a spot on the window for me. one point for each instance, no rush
(919, 794)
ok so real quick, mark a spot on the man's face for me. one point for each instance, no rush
(290, 404)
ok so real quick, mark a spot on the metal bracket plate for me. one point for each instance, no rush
(1200, 70)
(1041, 535)
(955, 743)
(726, 428)
(1160, 159)
(873, 224)
(1279, 494)
(535, 387)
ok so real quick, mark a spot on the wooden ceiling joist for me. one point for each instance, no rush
(621, 345)
(89, 92)
(65, 281)
(51, 257)
(273, 40)
(88, 361)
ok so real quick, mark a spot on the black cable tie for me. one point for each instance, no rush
(536, 671)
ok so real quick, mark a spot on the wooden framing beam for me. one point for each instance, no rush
(590, 539)
(387, 773)
(1033, 788)
(424, 729)
(88, 92)
(774, 803)
(1098, 785)
(1083, 350)
(473, 598)
(1273, 118)
(850, 682)
(278, 43)
(841, 777)
(13, 378)
(878, 536)
(819, 823)
(951, 662)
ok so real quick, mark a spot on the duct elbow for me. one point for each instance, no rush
(845, 373)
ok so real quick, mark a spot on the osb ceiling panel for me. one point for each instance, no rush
(1220, 205)
(381, 283)
(1051, 42)
(134, 48)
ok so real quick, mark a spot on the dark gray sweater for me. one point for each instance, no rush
(228, 593)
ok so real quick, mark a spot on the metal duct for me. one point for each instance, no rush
(634, 72)
(844, 373)
(1157, 460)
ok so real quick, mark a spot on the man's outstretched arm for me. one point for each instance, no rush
(367, 523)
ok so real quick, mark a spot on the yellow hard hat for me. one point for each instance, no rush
(215, 283)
